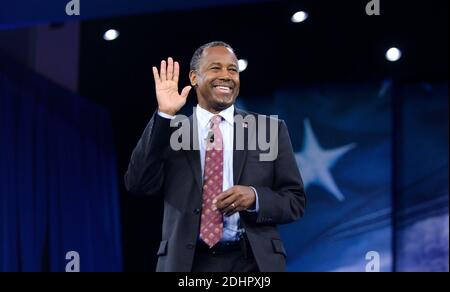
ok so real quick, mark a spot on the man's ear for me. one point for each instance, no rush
(193, 78)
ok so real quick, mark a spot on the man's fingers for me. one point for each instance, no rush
(163, 71)
(185, 91)
(233, 208)
(169, 68)
(223, 204)
(176, 72)
(225, 194)
(228, 210)
(156, 75)
(223, 199)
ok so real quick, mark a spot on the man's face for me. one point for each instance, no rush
(217, 79)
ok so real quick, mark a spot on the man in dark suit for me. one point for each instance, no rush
(223, 198)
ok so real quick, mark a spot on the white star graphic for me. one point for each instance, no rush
(315, 162)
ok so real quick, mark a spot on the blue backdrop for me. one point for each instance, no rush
(58, 181)
(374, 159)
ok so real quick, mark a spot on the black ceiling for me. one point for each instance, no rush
(338, 42)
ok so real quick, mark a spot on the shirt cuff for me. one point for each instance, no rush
(256, 209)
(166, 116)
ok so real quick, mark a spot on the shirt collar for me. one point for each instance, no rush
(204, 116)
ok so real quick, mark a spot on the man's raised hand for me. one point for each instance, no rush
(166, 84)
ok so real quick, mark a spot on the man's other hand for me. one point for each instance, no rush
(235, 199)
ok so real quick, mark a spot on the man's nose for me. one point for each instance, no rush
(225, 75)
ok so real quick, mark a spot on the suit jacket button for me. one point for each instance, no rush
(190, 246)
(196, 211)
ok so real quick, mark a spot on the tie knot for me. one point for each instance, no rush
(215, 120)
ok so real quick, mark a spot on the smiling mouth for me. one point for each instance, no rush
(223, 89)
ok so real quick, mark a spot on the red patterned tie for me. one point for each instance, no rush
(211, 227)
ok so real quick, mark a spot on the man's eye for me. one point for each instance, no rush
(233, 69)
(215, 68)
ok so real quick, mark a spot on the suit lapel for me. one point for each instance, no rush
(239, 155)
(193, 155)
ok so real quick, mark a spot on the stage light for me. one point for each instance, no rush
(242, 63)
(299, 16)
(110, 35)
(393, 54)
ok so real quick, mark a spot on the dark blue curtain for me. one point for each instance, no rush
(58, 180)
(422, 172)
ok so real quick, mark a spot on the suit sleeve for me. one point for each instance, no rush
(285, 201)
(145, 172)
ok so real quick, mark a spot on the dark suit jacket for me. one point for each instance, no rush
(155, 168)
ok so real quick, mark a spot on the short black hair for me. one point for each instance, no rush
(195, 61)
